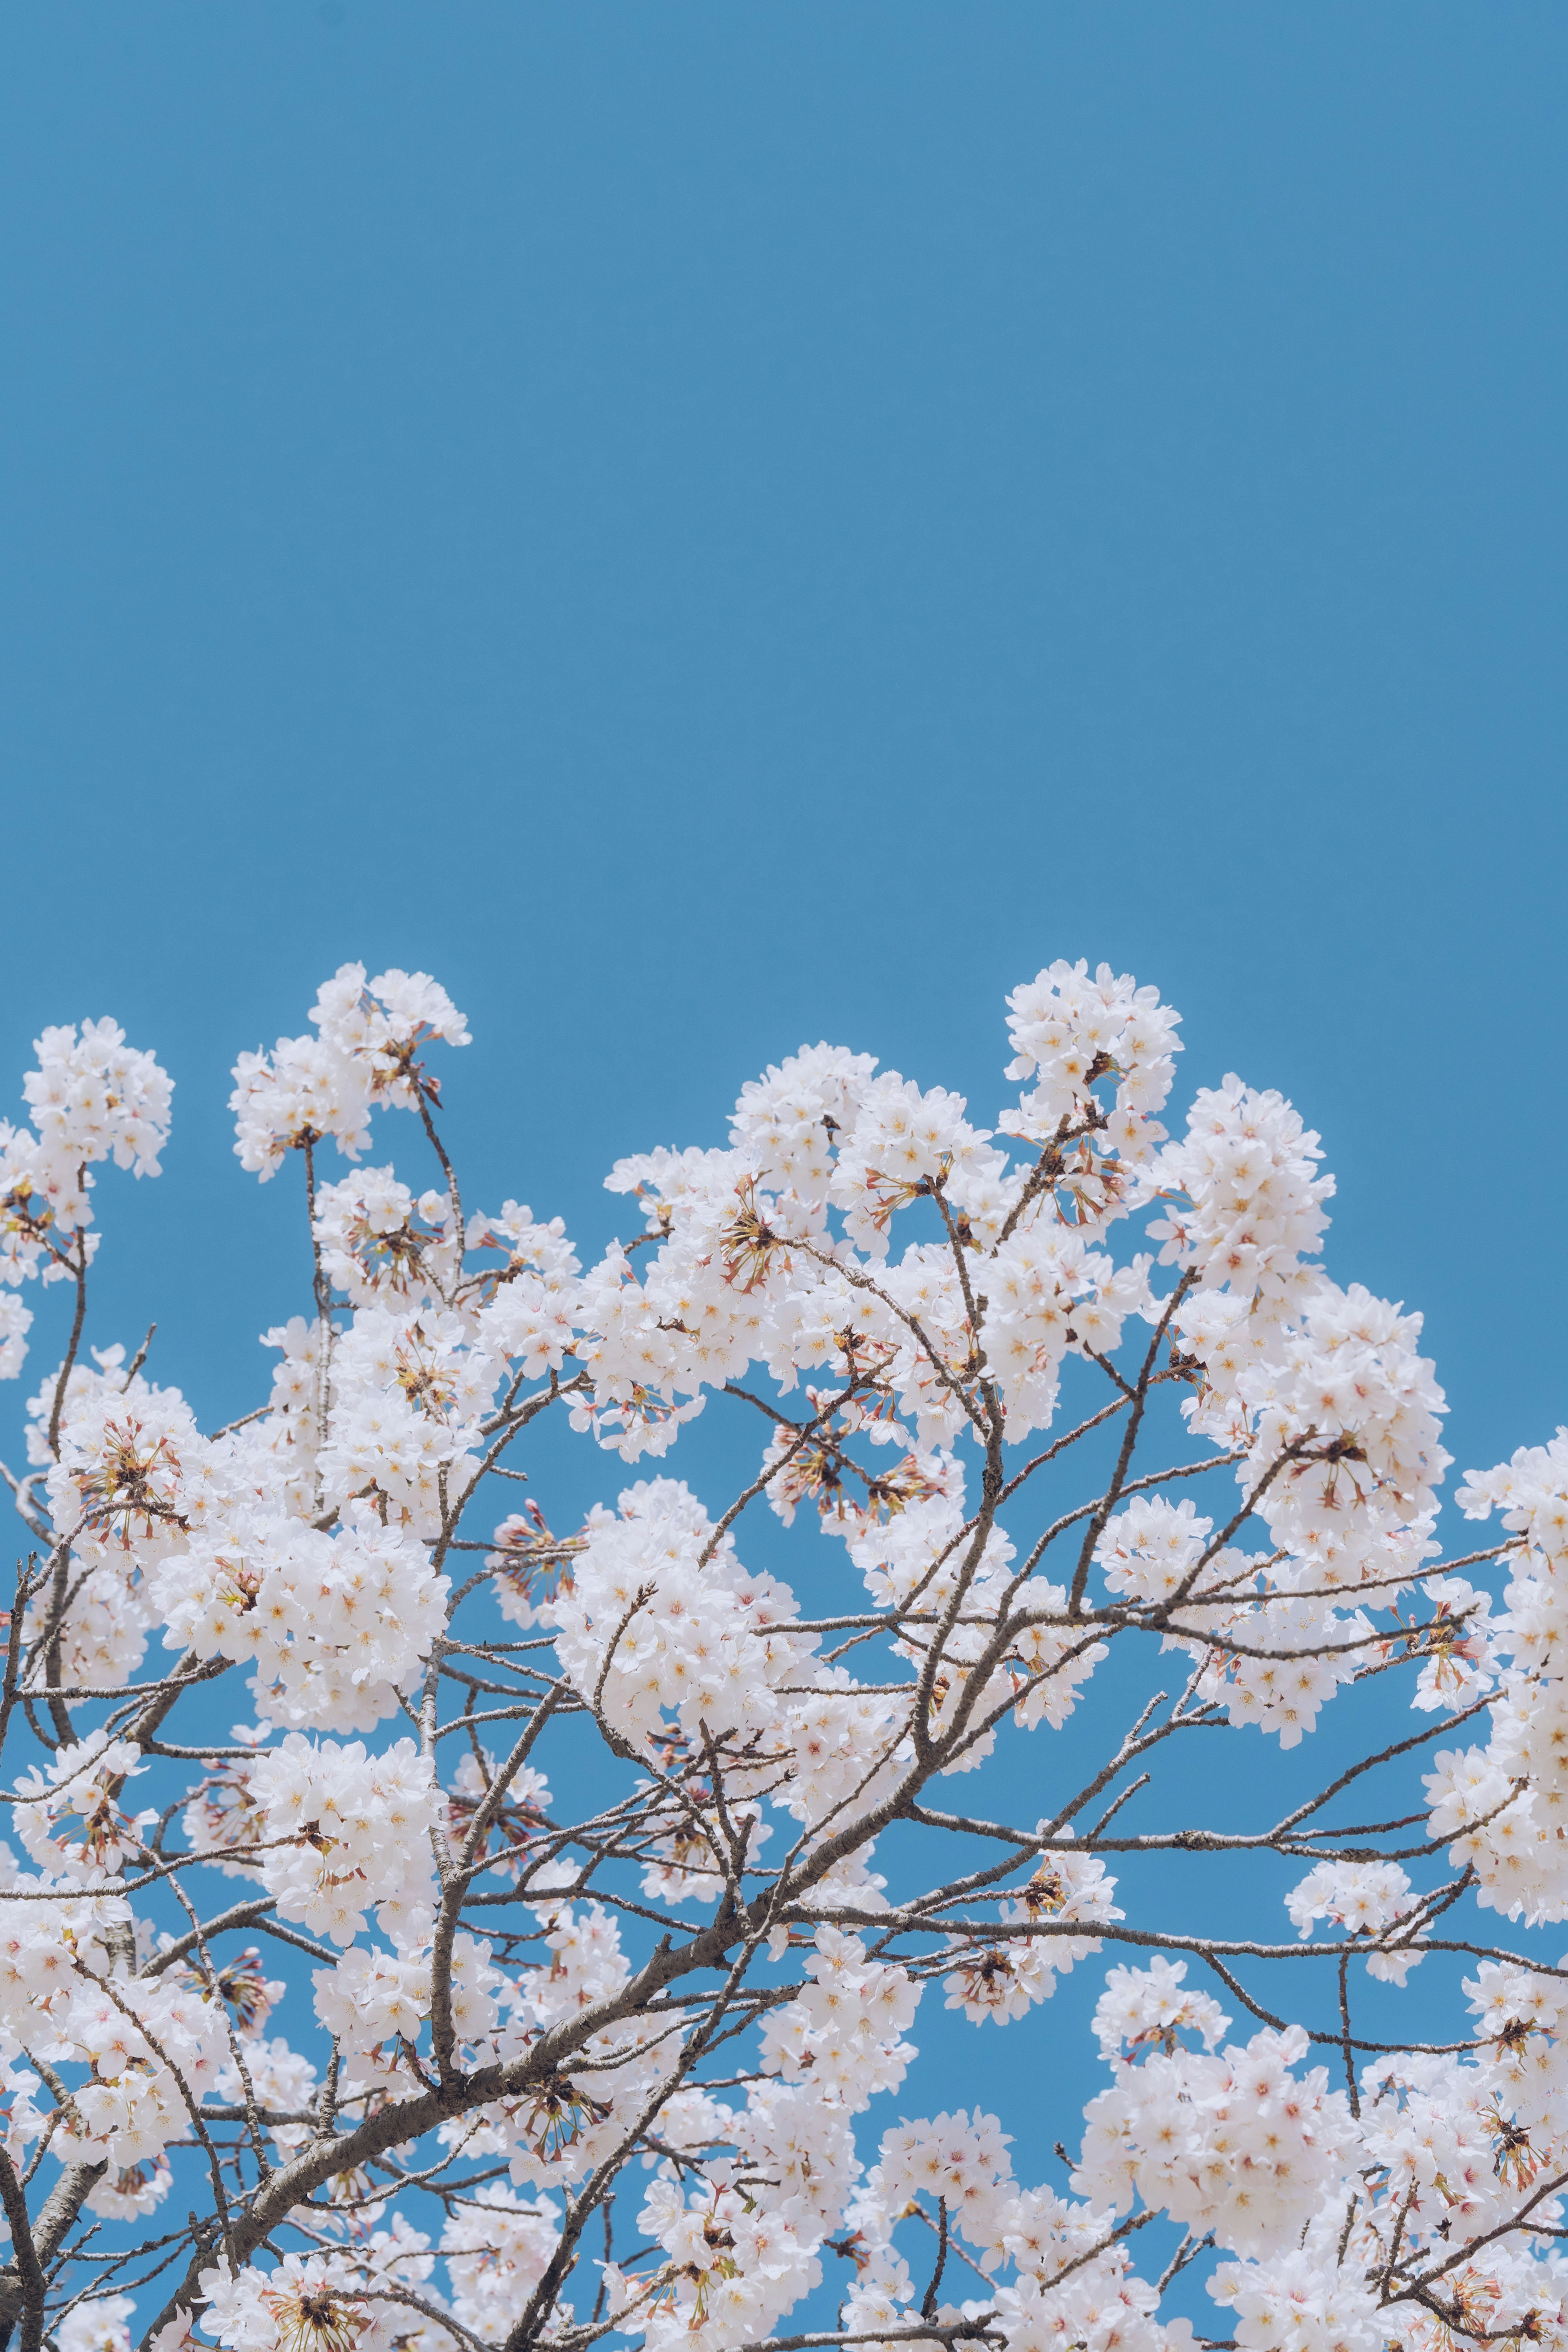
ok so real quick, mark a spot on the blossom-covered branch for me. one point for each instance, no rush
(563, 1840)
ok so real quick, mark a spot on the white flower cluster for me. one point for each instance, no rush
(335, 1626)
(960, 2160)
(1505, 1806)
(532, 1311)
(1452, 2148)
(746, 1269)
(311, 2300)
(497, 2248)
(204, 1537)
(1273, 1660)
(1230, 2143)
(92, 1097)
(1003, 1979)
(843, 2029)
(660, 1620)
(1069, 1032)
(378, 1243)
(372, 1997)
(134, 2034)
(554, 2136)
(1248, 1167)
(1301, 2301)
(734, 2267)
(345, 1832)
(1071, 2283)
(1365, 1898)
(69, 1818)
(785, 1122)
(148, 2042)
(919, 1551)
(369, 1034)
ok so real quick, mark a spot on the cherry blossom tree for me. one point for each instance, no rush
(541, 1959)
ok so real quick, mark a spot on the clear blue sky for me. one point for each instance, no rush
(710, 526)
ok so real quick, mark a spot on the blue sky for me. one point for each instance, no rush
(710, 527)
